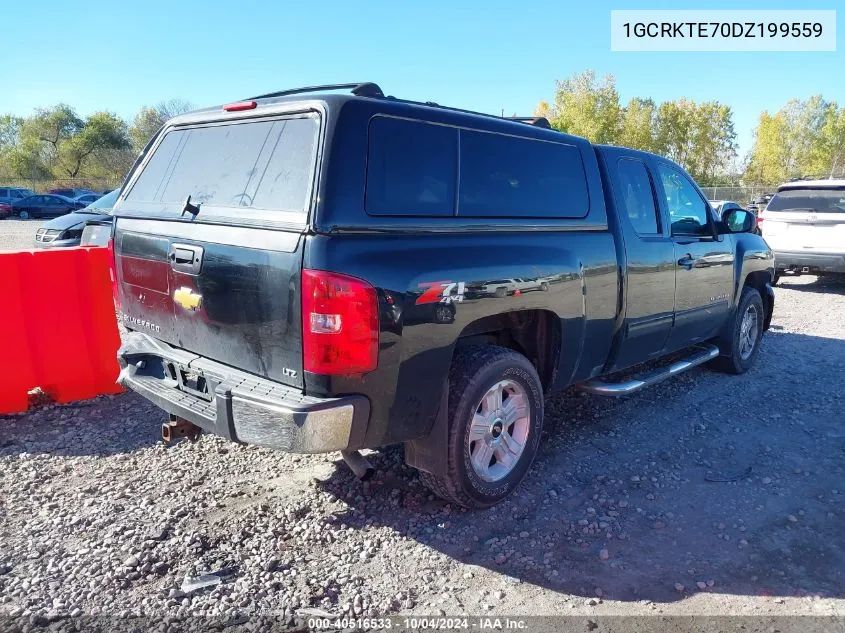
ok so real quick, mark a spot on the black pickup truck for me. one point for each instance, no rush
(316, 270)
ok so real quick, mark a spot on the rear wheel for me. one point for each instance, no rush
(495, 422)
(746, 332)
(23, 215)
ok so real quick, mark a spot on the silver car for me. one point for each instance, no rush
(66, 230)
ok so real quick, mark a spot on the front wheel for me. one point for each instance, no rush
(23, 215)
(744, 336)
(495, 422)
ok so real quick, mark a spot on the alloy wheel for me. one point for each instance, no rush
(499, 430)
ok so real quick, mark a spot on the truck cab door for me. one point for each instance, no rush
(649, 273)
(704, 261)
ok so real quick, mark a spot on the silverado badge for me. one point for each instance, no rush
(186, 298)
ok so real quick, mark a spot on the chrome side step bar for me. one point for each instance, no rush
(602, 388)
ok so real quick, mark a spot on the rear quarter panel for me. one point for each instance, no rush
(408, 259)
(417, 343)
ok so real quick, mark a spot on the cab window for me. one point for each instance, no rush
(634, 189)
(688, 211)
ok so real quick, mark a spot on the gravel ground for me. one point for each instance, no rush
(705, 495)
(17, 234)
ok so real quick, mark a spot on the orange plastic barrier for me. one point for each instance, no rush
(58, 328)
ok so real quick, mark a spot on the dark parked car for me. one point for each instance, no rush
(759, 203)
(88, 198)
(71, 192)
(279, 263)
(44, 206)
(66, 230)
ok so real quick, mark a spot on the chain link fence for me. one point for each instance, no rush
(737, 193)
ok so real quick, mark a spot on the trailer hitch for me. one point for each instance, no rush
(177, 427)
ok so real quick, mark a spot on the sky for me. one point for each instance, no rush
(487, 56)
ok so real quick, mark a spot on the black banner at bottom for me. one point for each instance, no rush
(527, 624)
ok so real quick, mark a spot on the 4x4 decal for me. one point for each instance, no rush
(442, 292)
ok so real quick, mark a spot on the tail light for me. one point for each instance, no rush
(760, 218)
(339, 324)
(113, 273)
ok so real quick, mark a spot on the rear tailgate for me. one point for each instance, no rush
(806, 220)
(224, 284)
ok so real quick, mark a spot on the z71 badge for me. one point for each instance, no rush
(442, 292)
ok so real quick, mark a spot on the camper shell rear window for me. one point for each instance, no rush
(260, 164)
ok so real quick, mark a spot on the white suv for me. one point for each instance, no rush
(804, 224)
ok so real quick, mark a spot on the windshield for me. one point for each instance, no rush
(818, 200)
(254, 164)
(104, 204)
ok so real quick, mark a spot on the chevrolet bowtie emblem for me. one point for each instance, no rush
(186, 298)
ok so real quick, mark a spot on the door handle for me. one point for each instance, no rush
(686, 261)
(183, 255)
(186, 258)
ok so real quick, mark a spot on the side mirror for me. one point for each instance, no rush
(739, 220)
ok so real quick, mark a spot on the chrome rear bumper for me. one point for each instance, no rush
(238, 405)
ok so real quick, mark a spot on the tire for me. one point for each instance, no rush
(742, 349)
(23, 215)
(500, 293)
(475, 374)
(544, 287)
(775, 281)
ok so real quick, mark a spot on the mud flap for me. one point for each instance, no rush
(769, 305)
(430, 453)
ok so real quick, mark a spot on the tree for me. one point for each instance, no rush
(148, 121)
(802, 139)
(24, 161)
(826, 157)
(56, 142)
(586, 107)
(638, 122)
(714, 142)
(10, 131)
(804, 122)
(101, 131)
(769, 162)
(51, 127)
(699, 137)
